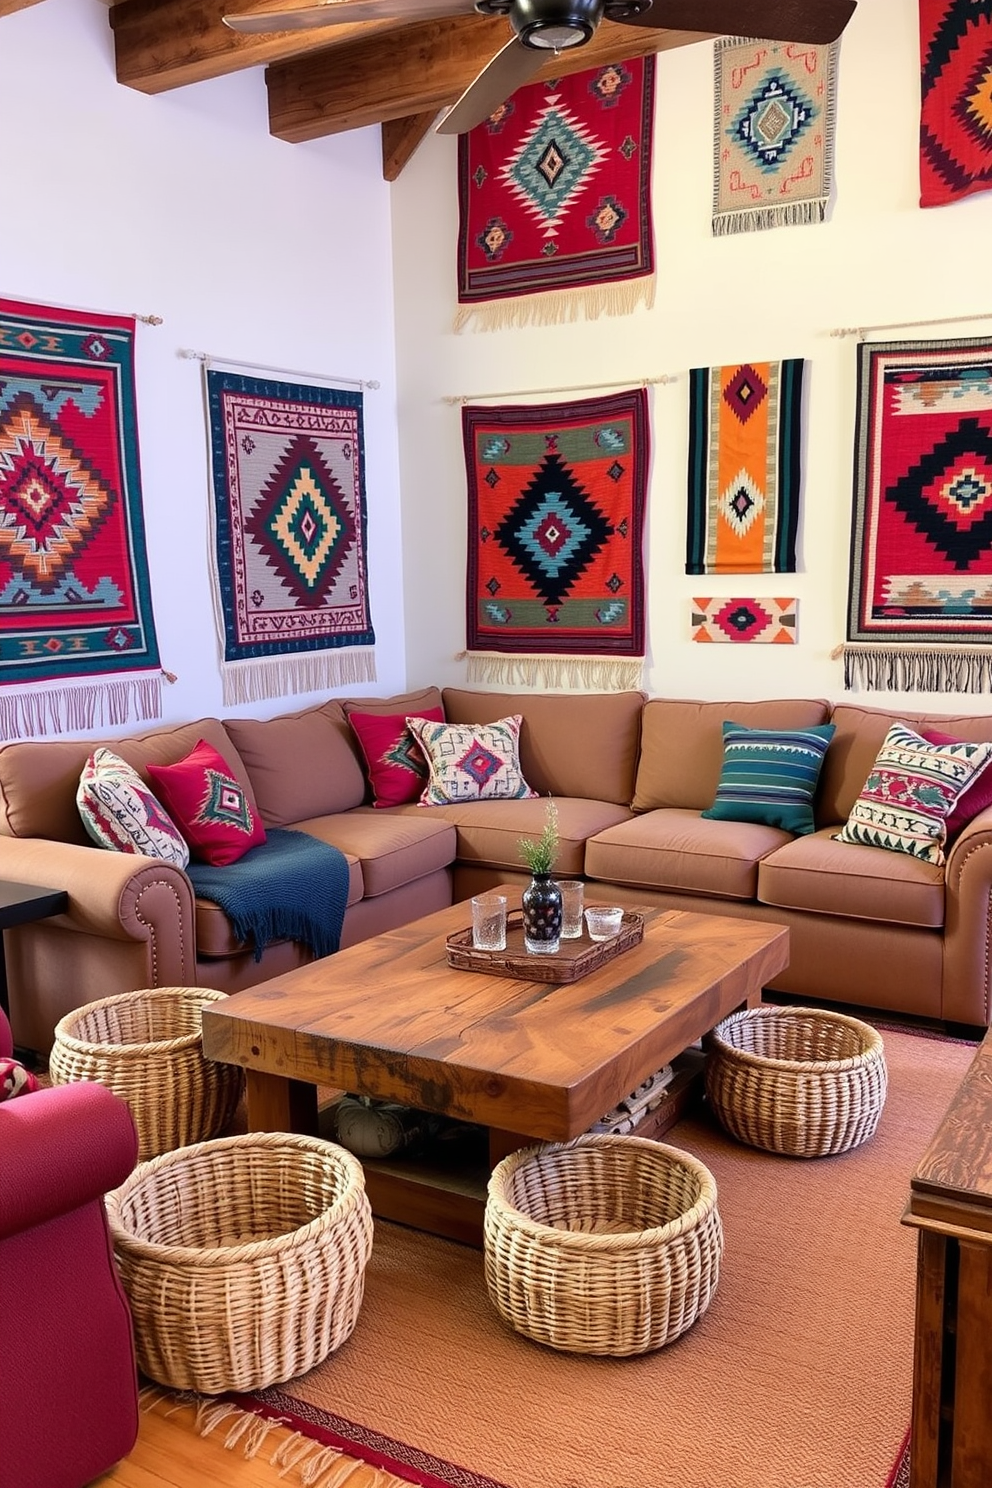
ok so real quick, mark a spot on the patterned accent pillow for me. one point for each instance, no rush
(16, 1079)
(770, 775)
(209, 804)
(394, 762)
(911, 791)
(471, 761)
(975, 799)
(120, 812)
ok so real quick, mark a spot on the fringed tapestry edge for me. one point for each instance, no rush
(559, 306)
(600, 673)
(790, 214)
(30, 711)
(908, 668)
(282, 676)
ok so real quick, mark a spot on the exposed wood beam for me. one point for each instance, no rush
(7, 7)
(400, 137)
(421, 68)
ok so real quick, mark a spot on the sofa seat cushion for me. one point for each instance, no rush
(392, 850)
(489, 832)
(820, 874)
(677, 849)
(216, 938)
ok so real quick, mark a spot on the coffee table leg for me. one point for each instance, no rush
(502, 1143)
(277, 1104)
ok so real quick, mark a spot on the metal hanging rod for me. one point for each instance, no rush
(582, 387)
(206, 356)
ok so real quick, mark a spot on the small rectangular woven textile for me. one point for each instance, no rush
(955, 99)
(75, 603)
(920, 601)
(745, 621)
(745, 440)
(556, 499)
(773, 141)
(289, 520)
(554, 199)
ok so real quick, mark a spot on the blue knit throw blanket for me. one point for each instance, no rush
(290, 887)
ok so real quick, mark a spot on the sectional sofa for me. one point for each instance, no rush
(630, 776)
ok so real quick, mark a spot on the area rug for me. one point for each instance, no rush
(77, 638)
(773, 133)
(745, 467)
(556, 501)
(920, 603)
(554, 200)
(770, 622)
(799, 1375)
(955, 100)
(287, 465)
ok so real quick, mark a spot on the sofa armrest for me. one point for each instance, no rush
(968, 925)
(60, 1149)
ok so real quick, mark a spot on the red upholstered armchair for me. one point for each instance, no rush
(68, 1381)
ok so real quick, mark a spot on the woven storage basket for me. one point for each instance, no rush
(602, 1245)
(243, 1258)
(799, 1081)
(146, 1047)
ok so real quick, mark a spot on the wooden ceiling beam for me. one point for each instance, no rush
(420, 69)
(7, 7)
(400, 137)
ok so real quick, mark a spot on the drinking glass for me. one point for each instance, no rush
(572, 891)
(603, 922)
(489, 922)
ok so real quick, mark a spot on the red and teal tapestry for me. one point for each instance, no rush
(920, 608)
(955, 99)
(289, 516)
(554, 200)
(77, 639)
(556, 500)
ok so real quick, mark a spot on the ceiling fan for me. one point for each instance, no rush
(543, 26)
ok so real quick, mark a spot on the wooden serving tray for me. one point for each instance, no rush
(573, 959)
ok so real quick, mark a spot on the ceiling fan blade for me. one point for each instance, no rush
(342, 12)
(512, 66)
(814, 21)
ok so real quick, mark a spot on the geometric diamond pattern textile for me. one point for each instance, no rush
(290, 580)
(955, 99)
(75, 604)
(556, 498)
(745, 621)
(745, 440)
(920, 604)
(773, 133)
(554, 194)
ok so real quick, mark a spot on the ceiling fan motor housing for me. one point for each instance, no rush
(552, 25)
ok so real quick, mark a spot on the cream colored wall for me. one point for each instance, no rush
(766, 295)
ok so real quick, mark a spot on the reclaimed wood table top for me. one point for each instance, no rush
(952, 1185)
(390, 1018)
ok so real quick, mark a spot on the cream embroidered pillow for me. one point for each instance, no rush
(471, 761)
(120, 812)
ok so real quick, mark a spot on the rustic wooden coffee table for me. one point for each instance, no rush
(527, 1060)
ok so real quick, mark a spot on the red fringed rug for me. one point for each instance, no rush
(955, 99)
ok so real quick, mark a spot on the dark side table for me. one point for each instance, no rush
(22, 904)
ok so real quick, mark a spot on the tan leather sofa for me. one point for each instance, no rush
(630, 777)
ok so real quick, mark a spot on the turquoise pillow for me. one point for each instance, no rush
(770, 775)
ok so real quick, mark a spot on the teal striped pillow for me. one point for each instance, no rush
(769, 776)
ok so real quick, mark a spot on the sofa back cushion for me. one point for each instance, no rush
(571, 744)
(682, 745)
(38, 781)
(859, 735)
(301, 764)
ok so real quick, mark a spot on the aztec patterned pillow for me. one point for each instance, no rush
(973, 800)
(209, 804)
(16, 1079)
(471, 761)
(394, 762)
(120, 812)
(911, 791)
(769, 775)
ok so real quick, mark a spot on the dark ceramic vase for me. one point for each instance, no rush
(541, 901)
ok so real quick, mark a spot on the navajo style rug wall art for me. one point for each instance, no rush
(75, 605)
(773, 142)
(556, 500)
(955, 99)
(745, 621)
(289, 518)
(920, 605)
(745, 445)
(554, 198)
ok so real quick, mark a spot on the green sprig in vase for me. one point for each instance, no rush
(541, 899)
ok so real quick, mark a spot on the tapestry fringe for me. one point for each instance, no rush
(880, 668)
(786, 215)
(281, 676)
(602, 673)
(559, 306)
(74, 709)
(315, 1465)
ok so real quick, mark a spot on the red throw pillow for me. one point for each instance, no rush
(209, 805)
(974, 799)
(394, 761)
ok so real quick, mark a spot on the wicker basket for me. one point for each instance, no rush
(146, 1047)
(602, 1245)
(799, 1081)
(243, 1258)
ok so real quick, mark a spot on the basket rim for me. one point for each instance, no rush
(872, 1050)
(207, 1255)
(64, 1038)
(626, 1240)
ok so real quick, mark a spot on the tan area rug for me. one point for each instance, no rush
(798, 1376)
